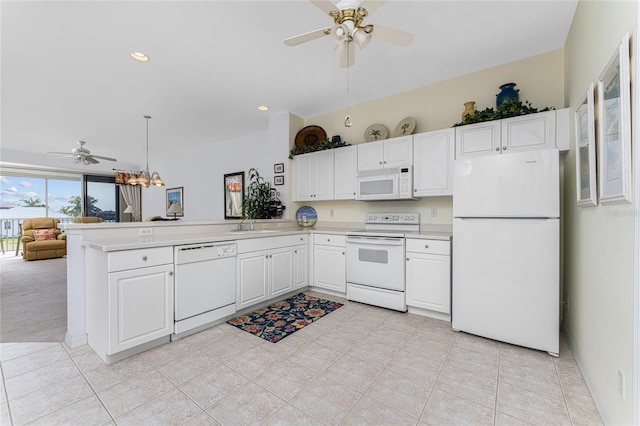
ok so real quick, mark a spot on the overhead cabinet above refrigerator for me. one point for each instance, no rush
(543, 130)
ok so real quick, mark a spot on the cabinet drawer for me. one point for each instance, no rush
(300, 239)
(329, 240)
(134, 259)
(428, 246)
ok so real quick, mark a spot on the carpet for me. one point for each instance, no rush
(33, 299)
(279, 320)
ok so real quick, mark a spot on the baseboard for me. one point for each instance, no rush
(74, 342)
(585, 375)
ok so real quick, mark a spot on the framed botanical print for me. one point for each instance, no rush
(586, 150)
(614, 128)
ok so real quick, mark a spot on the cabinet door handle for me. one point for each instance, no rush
(407, 259)
(498, 148)
(295, 251)
(343, 253)
(504, 148)
(415, 190)
(426, 246)
(384, 162)
(266, 256)
(144, 258)
(379, 162)
(171, 273)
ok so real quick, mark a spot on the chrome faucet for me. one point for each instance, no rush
(241, 224)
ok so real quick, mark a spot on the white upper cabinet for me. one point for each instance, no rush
(314, 176)
(433, 154)
(478, 139)
(396, 152)
(543, 130)
(527, 132)
(346, 167)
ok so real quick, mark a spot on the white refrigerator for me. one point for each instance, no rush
(506, 248)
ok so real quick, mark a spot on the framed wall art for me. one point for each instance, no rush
(233, 195)
(586, 150)
(175, 195)
(278, 168)
(278, 180)
(614, 128)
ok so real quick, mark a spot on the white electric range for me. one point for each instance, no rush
(375, 259)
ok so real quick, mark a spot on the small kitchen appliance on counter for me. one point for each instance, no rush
(376, 261)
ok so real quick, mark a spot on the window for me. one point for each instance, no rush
(102, 197)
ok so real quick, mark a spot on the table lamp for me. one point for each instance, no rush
(175, 209)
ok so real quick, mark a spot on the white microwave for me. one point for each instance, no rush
(394, 183)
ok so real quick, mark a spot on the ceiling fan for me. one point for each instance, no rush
(349, 29)
(82, 155)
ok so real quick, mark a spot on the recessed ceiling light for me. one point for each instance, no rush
(139, 56)
(263, 108)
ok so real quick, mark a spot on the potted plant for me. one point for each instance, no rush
(257, 201)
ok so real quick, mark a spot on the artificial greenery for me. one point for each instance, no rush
(318, 146)
(257, 201)
(508, 108)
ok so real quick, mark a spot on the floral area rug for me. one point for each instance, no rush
(277, 321)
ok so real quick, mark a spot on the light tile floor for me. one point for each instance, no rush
(359, 365)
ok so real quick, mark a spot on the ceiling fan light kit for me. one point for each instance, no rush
(145, 178)
(348, 27)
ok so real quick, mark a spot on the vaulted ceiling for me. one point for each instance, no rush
(67, 74)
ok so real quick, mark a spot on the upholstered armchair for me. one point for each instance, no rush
(41, 239)
(88, 219)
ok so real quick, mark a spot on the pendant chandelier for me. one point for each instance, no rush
(144, 178)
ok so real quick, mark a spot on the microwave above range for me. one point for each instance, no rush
(394, 183)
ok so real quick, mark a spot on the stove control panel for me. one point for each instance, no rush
(393, 218)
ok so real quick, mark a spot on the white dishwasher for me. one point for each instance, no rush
(205, 284)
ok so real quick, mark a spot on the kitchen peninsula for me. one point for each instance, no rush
(98, 254)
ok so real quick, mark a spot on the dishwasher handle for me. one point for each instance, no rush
(205, 246)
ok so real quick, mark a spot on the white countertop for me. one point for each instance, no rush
(431, 232)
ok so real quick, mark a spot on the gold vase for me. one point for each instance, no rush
(469, 110)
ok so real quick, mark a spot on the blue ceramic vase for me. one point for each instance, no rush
(507, 91)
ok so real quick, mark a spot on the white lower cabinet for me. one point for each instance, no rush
(301, 261)
(428, 274)
(129, 298)
(140, 306)
(264, 269)
(329, 262)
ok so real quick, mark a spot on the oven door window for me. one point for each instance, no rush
(373, 255)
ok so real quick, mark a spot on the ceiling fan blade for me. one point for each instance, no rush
(325, 5)
(89, 159)
(372, 5)
(103, 158)
(66, 154)
(303, 38)
(392, 35)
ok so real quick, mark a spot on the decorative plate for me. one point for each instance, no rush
(376, 132)
(310, 135)
(306, 216)
(405, 127)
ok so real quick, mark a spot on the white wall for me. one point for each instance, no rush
(598, 272)
(200, 172)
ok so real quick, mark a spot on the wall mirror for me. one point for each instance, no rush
(233, 195)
